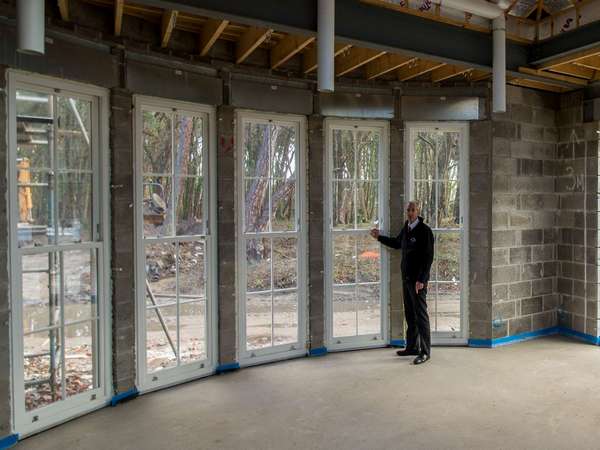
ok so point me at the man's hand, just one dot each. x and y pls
(375, 233)
(419, 286)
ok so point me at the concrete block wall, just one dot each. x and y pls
(524, 211)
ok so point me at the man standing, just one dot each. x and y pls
(416, 241)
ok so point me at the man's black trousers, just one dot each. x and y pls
(418, 336)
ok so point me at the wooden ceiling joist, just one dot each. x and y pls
(524, 82)
(309, 59)
(386, 64)
(354, 59)
(169, 19)
(119, 4)
(572, 58)
(417, 69)
(63, 8)
(478, 75)
(553, 76)
(573, 70)
(446, 72)
(591, 62)
(287, 48)
(249, 42)
(211, 31)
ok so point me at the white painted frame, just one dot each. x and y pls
(448, 337)
(148, 382)
(367, 340)
(26, 423)
(299, 348)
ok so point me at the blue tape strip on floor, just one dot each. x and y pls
(8, 441)
(124, 396)
(319, 351)
(398, 343)
(513, 339)
(227, 367)
(579, 335)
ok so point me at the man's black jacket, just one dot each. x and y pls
(417, 250)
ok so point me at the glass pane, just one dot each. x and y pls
(343, 204)
(80, 358)
(33, 104)
(34, 141)
(343, 154)
(344, 259)
(344, 311)
(35, 224)
(256, 206)
(367, 157)
(191, 268)
(161, 338)
(283, 156)
(40, 290)
(432, 292)
(258, 321)
(157, 142)
(161, 270)
(283, 204)
(75, 206)
(192, 331)
(189, 143)
(367, 208)
(368, 259)
(80, 288)
(258, 260)
(425, 148)
(448, 211)
(368, 305)
(158, 215)
(285, 318)
(285, 265)
(448, 155)
(256, 150)
(447, 250)
(190, 201)
(448, 307)
(42, 368)
(74, 134)
(425, 195)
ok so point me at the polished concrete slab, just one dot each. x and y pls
(540, 394)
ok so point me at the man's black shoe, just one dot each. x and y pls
(421, 359)
(407, 352)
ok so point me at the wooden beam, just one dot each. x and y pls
(478, 75)
(169, 19)
(210, 33)
(591, 62)
(63, 8)
(446, 72)
(573, 70)
(119, 16)
(249, 41)
(386, 64)
(553, 76)
(287, 48)
(355, 58)
(416, 70)
(537, 85)
(309, 59)
(573, 57)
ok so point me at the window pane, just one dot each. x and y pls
(35, 210)
(42, 368)
(161, 338)
(190, 201)
(368, 259)
(258, 260)
(432, 292)
(285, 318)
(425, 195)
(40, 290)
(256, 206)
(75, 206)
(192, 329)
(448, 155)
(368, 143)
(369, 309)
(448, 307)
(283, 154)
(157, 142)
(425, 147)
(256, 150)
(74, 134)
(34, 140)
(447, 250)
(80, 302)
(285, 265)
(367, 208)
(161, 270)
(448, 211)
(283, 204)
(189, 145)
(258, 321)
(344, 311)
(33, 104)
(158, 215)
(192, 277)
(343, 154)
(343, 204)
(80, 358)
(344, 259)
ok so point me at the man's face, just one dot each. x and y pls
(412, 212)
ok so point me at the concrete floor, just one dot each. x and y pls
(541, 394)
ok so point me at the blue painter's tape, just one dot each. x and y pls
(398, 343)
(579, 335)
(131, 393)
(513, 339)
(8, 441)
(227, 367)
(319, 351)
(480, 343)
